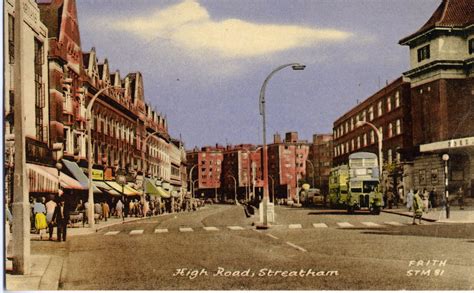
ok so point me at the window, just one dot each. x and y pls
(347, 147)
(352, 144)
(471, 46)
(397, 99)
(389, 104)
(398, 127)
(372, 137)
(381, 131)
(389, 154)
(39, 90)
(347, 127)
(358, 142)
(424, 53)
(379, 108)
(398, 157)
(390, 130)
(352, 124)
(365, 139)
(11, 38)
(371, 113)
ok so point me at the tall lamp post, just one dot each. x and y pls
(143, 160)
(273, 188)
(90, 211)
(294, 66)
(191, 183)
(312, 167)
(193, 195)
(446, 178)
(235, 187)
(379, 141)
(57, 156)
(121, 179)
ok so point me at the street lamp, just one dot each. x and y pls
(89, 155)
(312, 167)
(121, 179)
(294, 66)
(235, 187)
(57, 156)
(273, 188)
(191, 183)
(446, 192)
(379, 140)
(193, 195)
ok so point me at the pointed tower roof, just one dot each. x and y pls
(449, 14)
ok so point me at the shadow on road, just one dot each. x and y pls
(456, 231)
(338, 212)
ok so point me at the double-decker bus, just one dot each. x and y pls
(356, 185)
(338, 186)
(363, 184)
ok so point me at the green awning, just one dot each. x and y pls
(150, 188)
(127, 190)
(77, 173)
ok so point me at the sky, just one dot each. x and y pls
(204, 62)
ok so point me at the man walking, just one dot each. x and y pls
(50, 207)
(61, 218)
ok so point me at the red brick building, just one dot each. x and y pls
(320, 157)
(286, 165)
(442, 90)
(206, 167)
(389, 110)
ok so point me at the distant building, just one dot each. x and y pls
(442, 91)
(206, 175)
(286, 165)
(320, 155)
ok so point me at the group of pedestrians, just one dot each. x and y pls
(46, 216)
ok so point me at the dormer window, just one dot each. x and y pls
(424, 53)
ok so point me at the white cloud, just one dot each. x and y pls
(189, 25)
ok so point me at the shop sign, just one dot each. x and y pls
(108, 174)
(97, 174)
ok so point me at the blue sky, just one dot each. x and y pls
(204, 62)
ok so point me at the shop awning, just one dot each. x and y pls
(66, 181)
(104, 187)
(151, 188)
(76, 171)
(40, 180)
(163, 193)
(127, 190)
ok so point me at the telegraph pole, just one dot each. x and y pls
(21, 205)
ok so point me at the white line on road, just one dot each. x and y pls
(157, 230)
(320, 225)
(271, 236)
(345, 225)
(112, 233)
(296, 246)
(136, 232)
(395, 223)
(211, 229)
(186, 230)
(371, 224)
(235, 228)
(295, 226)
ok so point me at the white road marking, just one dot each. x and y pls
(211, 229)
(295, 226)
(320, 225)
(371, 224)
(345, 225)
(186, 230)
(395, 223)
(112, 233)
(136, 232)
(161, 230)
(235, 228)
(271, 236)
(296, 246)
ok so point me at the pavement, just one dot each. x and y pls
(46, 269)
(456, 215)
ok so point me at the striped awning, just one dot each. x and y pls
(66, 181)
(127, 190)
(40, 180)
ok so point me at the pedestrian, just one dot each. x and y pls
(146, 208)
(131, 208)
(410, 200)
(39, 210)
(460, 195)
(425, 197)
(50, 207)
(119, 208)
(105, 210)
(97, 210)
(417, 207)
(432, 198)
(61, 219)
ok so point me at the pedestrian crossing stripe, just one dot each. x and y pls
(211, 229)
(136, 232)
(161, 230)
(345, 225)
(320, 225)
(371, 224)
(186, 230)
(112, 233)
(235, 228)
(295, 226)
(394, 223)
